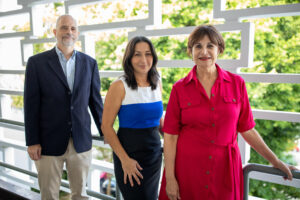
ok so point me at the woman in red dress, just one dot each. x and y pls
(206, 111)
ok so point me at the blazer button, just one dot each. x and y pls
(188, 103)
(72, 107)
(69, 93)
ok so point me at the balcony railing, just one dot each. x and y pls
(64, 183)
(264, 169)
(108, 167)
(9, 143)
(248, 169)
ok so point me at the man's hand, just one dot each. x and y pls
(34, 151)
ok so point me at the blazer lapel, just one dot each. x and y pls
(57, 68)
(79, 71)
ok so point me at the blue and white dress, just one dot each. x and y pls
(139, 118)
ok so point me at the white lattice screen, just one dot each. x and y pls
(16, 47)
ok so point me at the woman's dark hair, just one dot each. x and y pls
(153, 75)
(200, 31)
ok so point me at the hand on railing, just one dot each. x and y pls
(285, 168)
(266, 170)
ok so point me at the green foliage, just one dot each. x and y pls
(106, 56)
(162, 46)
(105, 50)
(169, 77)
(276, 46)
(166, 1)
(17, 101)
(105, 83)
(190, 12)
(121, 14)
(38, 48)
(234, 4)
(275, 51)
(35, 190)
(280, 137)
(281, 97)
(273, 191)
(104, 154)
(232, 45)
(106, 5)
(57, 5)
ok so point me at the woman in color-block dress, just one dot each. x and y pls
(136, 99)
(206, 111)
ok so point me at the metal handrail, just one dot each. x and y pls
(63, 182)
(263, 169)
(246, 170)
(11, 122)
(99, 138)
(6, 122)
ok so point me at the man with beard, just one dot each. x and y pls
(60, 85)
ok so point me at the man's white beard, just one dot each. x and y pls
(68, 42)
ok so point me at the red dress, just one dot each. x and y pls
(208, 162)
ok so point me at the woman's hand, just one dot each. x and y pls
(172, 189)
(285, 168)
(255, 140)
(131, 169)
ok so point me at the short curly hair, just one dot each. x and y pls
(200, 31)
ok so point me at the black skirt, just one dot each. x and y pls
(144, 146)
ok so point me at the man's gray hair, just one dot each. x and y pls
(65, 15)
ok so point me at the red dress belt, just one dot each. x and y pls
(230, 180)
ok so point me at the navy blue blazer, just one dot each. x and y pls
(53, 114)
